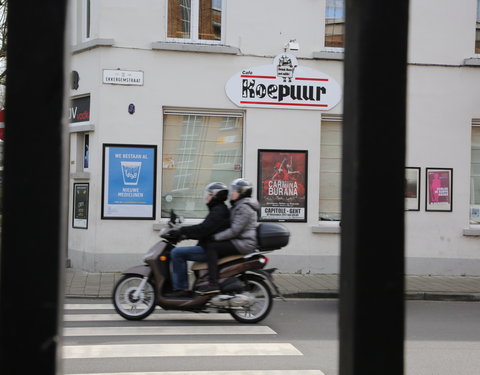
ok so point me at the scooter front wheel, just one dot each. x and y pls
(131, 302)
(258, 290)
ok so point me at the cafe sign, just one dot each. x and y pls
(283, 84)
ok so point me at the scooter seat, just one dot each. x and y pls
(204, 265)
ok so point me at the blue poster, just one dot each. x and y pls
(129, 181)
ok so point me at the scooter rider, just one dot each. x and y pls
(217, 220)
(239, 238)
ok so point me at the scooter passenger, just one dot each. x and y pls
(239, 238)
(217, 220)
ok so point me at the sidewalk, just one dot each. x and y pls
(433, 288)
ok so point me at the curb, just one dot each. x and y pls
(443, 296)
(410, 296)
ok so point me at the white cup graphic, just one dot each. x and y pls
(131, 172)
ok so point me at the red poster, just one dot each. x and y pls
(282, 185)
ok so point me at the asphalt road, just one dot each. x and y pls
(299, 335)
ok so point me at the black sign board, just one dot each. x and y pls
(79, 110)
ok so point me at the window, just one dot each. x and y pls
(81, 21)
(477, 29)
(475, 176)
(87, 16)
(198, 149)
(330, 169)
(195, 20)
(334, 23)
(86, 147)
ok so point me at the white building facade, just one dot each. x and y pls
(168, 96)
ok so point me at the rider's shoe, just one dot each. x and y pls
(209, 288)
(179, 294)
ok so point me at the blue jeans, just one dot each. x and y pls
(179, 257)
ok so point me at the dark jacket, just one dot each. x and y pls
(243, 225)
(217, 220)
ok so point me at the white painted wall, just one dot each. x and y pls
(442, 31)
(443, 97)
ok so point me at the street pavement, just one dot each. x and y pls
(447, 288)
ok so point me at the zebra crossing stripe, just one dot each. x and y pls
(158, 316)
(234, 372)
(178, 330)
(88, 306)
(179, 350)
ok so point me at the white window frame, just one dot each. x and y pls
(194, 25)
(475, 124)
(325, 226)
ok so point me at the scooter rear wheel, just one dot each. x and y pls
(132, 305)
(258, 289)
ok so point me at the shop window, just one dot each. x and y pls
(330, 170)
(334, 23)
(198, 149)
(475, 177)
(195, 20)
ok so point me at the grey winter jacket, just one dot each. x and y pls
(243, 226)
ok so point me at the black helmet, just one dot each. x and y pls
(243, 187)
(217, 190)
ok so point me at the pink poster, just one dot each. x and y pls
(439, 189)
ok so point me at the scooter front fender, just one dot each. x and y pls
(143, 270)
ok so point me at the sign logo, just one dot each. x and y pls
(284, 84)
(131, 172)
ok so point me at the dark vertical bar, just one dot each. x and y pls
(33, 240)
(372, 246)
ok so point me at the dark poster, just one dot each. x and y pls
(80, 206)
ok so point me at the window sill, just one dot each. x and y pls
(94, 43)
(472, 61)
(80, 176)
(73, 128)
(189, 47)
(326, 227)
(329, 55)
(472, 230)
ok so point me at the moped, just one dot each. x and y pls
(247, 288)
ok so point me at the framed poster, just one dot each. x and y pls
(80, 205)
(129, 181)
(412, 189)
(439, 187)
(282, 185)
